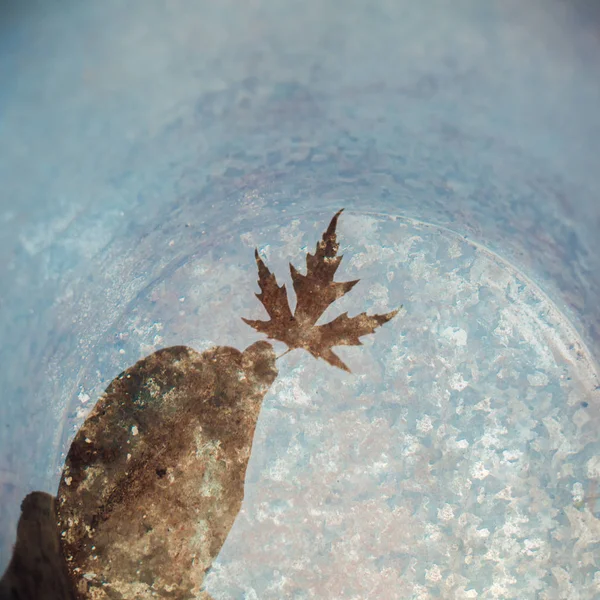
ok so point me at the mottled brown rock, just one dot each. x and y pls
(155, 477)
(37, 570)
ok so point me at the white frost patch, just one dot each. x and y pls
(434, 574)
(381, 465)
(446, 513)
(485, 405)
(538, 379)
(380, 294)
(455, 335)
(411, 445)
(505, 494)
(532, 547)
(577, 493)
(289, 393)
(457, 382)
(593, 467)
(478, 471)
(424, 425)
(371, 255)
(249, 240)
(454, 250)
(512, 455)
(290, 233)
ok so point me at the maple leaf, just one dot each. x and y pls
(315, 291)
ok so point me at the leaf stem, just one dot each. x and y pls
(288, 350)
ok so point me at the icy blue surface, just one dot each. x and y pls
(125, 127)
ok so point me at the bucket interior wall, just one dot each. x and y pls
(138, 139)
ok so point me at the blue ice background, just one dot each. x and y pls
(121, 123)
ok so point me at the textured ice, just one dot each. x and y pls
(460, 459)
(136, 134)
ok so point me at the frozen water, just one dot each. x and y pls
(125, 122)
(460, 459)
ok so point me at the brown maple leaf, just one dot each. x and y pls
(315, 291)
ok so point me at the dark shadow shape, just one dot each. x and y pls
(37, 570)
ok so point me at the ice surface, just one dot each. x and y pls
(458, 460)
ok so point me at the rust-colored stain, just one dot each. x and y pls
(154, 479)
